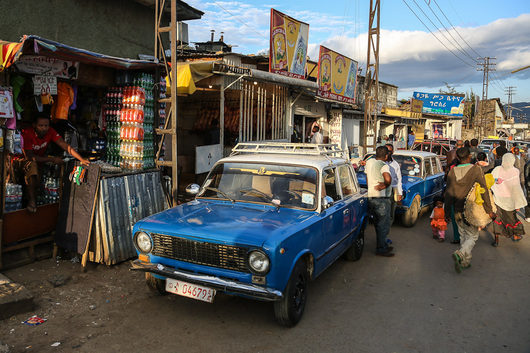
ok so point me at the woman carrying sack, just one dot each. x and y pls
(509, 198)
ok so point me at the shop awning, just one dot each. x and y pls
(35, 45)
(190, 73)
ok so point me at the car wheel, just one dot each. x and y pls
(289, 310)
(355, 251)
(157, 285)
(411, 216)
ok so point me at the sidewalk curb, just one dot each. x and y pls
(14, 298)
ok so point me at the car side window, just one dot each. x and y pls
(436, 149)
(426, 147)
(330, 180)
(428, 167)
(435, 165)
(346, 181)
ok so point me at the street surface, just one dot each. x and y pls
(414, 302)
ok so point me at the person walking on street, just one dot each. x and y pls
(509, 197)
(460, 181)
(452, 160)
(527, 187)
(410, 140)
(397, 187)
(519, 164)
(474, 150)
(438, 222)
(379, 180)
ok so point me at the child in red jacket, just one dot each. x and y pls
(438, 223)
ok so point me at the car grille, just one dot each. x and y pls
(202, 253)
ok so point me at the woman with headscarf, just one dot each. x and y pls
(509, 198)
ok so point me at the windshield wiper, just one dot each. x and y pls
(261, 194)
(220, 192)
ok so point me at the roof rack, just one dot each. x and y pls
(288, 148)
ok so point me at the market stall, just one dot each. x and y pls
(106, 109)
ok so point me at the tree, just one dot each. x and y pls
(449, 89)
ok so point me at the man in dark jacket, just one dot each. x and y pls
(451, 156)
(460, 181)
(527, 189)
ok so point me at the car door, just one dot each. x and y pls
(439, 182)
(429, 181)
(355, 201)
(335, 218)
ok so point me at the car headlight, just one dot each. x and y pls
(259, 262)
(143, 242)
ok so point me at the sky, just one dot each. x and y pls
(411, 57)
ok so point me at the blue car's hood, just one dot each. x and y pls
(406, 181)
(224, 222)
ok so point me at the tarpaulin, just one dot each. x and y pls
(190, 73)
(35, 45)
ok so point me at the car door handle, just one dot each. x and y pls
(346, 211)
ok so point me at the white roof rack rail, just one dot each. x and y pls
(288, 148)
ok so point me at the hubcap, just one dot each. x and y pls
(299, 293)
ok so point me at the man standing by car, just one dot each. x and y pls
(397, 188)
(378, 181)
(460, 181)
(451, 156)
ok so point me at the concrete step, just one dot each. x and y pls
(14, 298)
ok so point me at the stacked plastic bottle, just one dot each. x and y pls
(112, 124)
(13, 197)
(51, 190)
(147, 83)
(162, 108)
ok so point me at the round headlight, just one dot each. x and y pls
(258, 262)
(143, 242)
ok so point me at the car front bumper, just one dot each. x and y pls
(217, 283)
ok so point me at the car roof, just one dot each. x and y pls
(421, 154)
(441, 142)
(316, 161)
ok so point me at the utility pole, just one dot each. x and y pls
(372, 77)
(486, 66)
(170, 124)
(510, 91)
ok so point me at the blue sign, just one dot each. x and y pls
(443, 104)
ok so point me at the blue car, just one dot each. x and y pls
(267, 219)
(422, 179)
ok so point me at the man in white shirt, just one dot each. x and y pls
(396, 185)
(378, 180)
(317, 136)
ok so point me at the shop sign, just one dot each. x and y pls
(337, 76)
(288, 45)
(43, 65)
(6, 103)
(206, 156)
(335, 128)
(44, 85)
(443, 104)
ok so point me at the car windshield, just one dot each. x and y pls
(410, 165)
(279, 185)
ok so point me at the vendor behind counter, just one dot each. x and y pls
(36, 140)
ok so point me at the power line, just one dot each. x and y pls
(455, 29)
(438, 39)
(238, 20)
(460, 48)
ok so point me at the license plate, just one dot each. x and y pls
(190, 290)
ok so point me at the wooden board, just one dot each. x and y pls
(77, 209)
(20, 225)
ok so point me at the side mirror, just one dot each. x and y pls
(193, 189)
(327, 201)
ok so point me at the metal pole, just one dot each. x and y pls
(174, 152)
(222, 115)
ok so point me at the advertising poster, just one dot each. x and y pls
(6, 103)
(337, 76)
(42, 65)
(443, 104)
(288, 45)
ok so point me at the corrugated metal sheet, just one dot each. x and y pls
(123, 201)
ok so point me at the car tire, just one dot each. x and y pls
(157, 285)
(355, 251)
(289, 310)
(411, 216)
